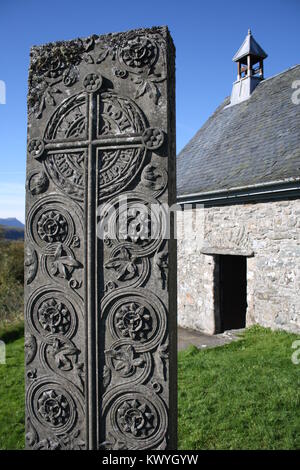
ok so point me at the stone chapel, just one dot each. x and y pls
(242, 170)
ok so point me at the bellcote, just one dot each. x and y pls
(250, 64)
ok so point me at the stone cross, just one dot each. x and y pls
(100, 296)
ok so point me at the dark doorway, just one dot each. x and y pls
(233, 291)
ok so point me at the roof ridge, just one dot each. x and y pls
(280, 73)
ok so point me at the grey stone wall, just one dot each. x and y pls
(268, 233)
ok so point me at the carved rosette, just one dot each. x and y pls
(97, 135)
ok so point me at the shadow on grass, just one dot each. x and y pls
(9, 333)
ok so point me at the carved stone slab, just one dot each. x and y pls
(100, 312)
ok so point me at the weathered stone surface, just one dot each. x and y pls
(100, 314)
(269, 231)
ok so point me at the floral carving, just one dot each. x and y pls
(42, 94)
(162, 359)
(75, 284)
(69, 441)
(30, 348)
(135, 418)
(124, 361)
(135, 225)
(50, 66)
(54, 316)
(63, 352)
(155, 178)
(52, 227)
(153, 138)
(31, 435)
(36, 148)
(139, 52)
(109, 286)
(106, 376)
(113, 444)
(121, 73)
(124, 264)
(32, 374)
(54, 408)
(31, 264)
(92, 82)
(107, 241)
(134, 321)
(54, 62)
(148, 85)
(161, 264)
(72, 441)
(48, 444)
(76, 242)
(63, 263)
(70, 76)
(38, 183)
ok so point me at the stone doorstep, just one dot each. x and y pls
(188, 337)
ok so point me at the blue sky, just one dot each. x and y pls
(206, 35)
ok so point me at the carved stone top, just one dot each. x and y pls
(134, 54)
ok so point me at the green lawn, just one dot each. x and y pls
(244, 395)
(12, 397)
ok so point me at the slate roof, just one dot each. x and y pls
(251, 143)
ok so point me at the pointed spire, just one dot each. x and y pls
(250, 67)
(249, 47)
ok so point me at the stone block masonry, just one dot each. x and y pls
(268, 234)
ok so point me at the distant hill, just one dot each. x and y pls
(13, 229)
(11, 222)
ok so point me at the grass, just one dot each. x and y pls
(244, 395)
(11, 282)
(11, 331)
(12, 397)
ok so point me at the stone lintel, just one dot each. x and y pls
(210, 250)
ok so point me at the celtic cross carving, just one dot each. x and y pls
(99, 310)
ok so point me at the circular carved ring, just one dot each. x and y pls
(48, 221)
(137, 315)
(53, 407)
(140, 52)
(137, 417)
(138, 220)
(119, 166)
(49, 312)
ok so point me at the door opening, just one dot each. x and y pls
(233, 291)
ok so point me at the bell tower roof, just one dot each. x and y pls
(249, 47)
